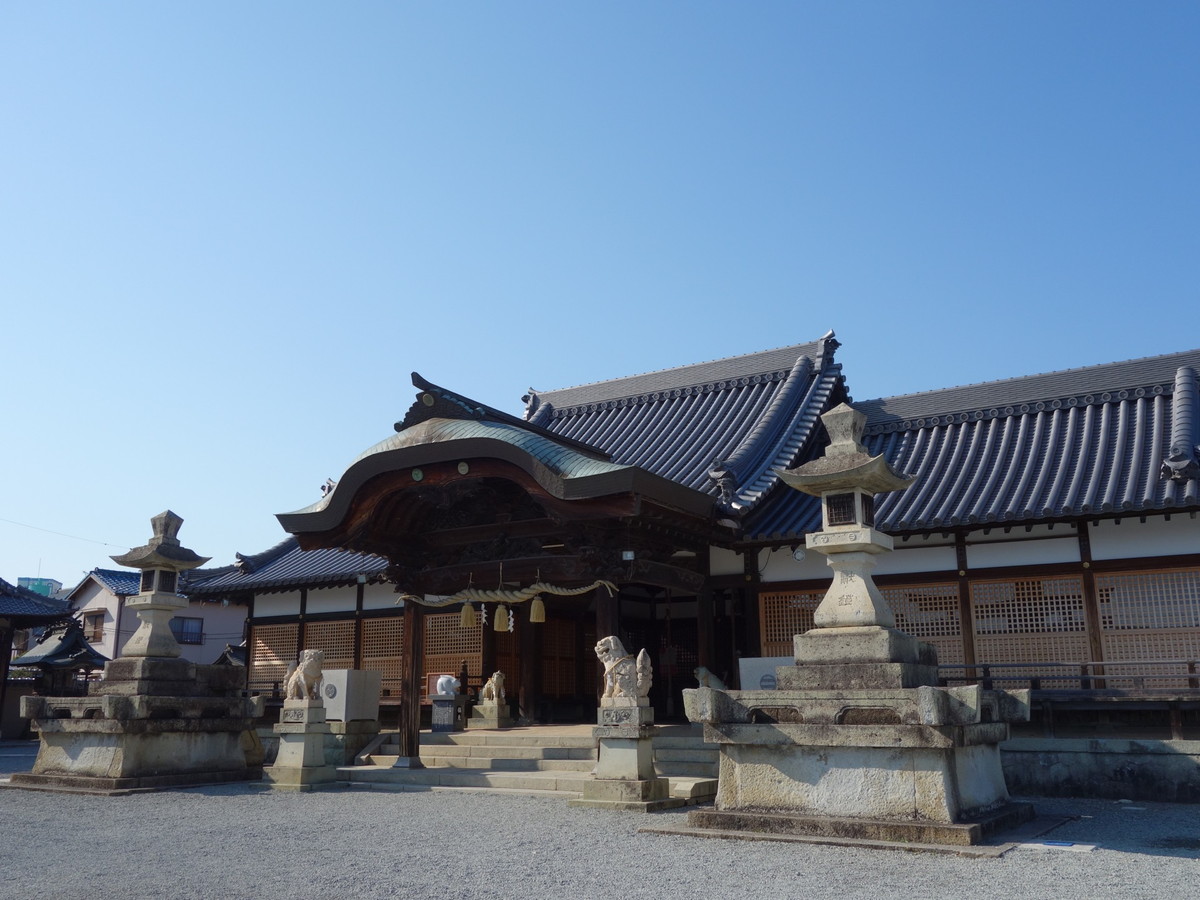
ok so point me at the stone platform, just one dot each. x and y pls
(150, 724)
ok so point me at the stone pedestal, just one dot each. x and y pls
(490, 715)
(880, 758)
(300, 763)
(449, 712)
(149, 724)
(624, 775)
(348, 739)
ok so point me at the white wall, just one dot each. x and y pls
(380, 596)
(917, 556)
(335, 599)
(724, 562)
(92, 597)
(1154, 537)
(1058, 549)
(285, 604)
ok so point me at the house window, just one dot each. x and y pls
(93, 627)
(188, 631)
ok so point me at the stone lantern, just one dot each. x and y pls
(161, 560)
(859, 739)
(847, 478)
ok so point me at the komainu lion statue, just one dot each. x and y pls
(622, 676)
(492, 692)
(304, 680)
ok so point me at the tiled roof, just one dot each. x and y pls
(732, 420)
(284, 566)
(63, 647)
(20, 603)
(125, 582)
(1084, 442)
(443, 426)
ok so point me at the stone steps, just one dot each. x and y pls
(568, 785)
(554, 761)
(508, 763)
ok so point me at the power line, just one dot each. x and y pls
(60, 534)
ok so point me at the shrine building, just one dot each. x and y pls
(1051, 533)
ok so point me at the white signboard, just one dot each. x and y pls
(758, 672)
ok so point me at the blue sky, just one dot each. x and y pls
(229, 231)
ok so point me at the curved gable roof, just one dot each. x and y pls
(443, 426)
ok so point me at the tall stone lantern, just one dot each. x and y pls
(859, 739)
(161, 560)
(847, 478)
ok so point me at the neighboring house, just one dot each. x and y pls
(202, 629)
(1053, 520)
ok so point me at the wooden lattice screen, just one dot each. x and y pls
(781, 615)
(1030, 620)
(926, 611)
(1152, 616)
(447, 644)
(382, 642)
(931, 613)
(336, 639)
(272, 648)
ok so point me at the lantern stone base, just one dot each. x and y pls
(149, 724)
(912, 764)
(300, 763)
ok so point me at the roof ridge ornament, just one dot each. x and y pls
(1181, 463)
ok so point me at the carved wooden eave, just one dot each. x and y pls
(461, 491)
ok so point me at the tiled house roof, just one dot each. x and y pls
(28, 607)
(286, 566)
(1075, 443)
(720, 427)
(123, 582)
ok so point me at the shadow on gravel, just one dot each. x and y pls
(1145, 828)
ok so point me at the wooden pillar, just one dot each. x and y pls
(300, 625)
(705, 643)
(1091, 601)
(358, 611)
(529, 644)
(487, 651)
(966, 616)
(413, 650)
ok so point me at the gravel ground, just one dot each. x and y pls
(246, 841)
